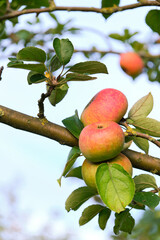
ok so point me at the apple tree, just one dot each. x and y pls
(116, 190)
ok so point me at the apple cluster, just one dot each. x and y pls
(102, 139)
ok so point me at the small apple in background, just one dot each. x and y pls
(131, 63)
(89, 169)
(101, 141)
(107, 105)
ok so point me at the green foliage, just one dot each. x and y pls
(32, 54)
(144, 181)
(103, 217)
(123, 37)
(72, 157)
(89, 67)
(64, 50)
(75, 172)
(89, 213)
(141, 108)
(113, 182)
(78, 197)
(149, 199)
(153, 20)
(58, 94)
(106, 4)
(73, 124)
(123, 222)
(34, 77)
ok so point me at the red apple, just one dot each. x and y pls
(131, 63)
(101, 141)
(107, 105)
(89, 169)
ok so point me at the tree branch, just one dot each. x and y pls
(63, 136)
(108, 10)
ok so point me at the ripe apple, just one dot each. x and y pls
(101, 141)
(131, 63)
(89, 169)
(107, 105)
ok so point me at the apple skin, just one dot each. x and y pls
(107, 105)
(101, 141)
(89, 169)
(131, 63)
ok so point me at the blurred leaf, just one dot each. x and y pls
(144, 181)
(74, 125)
(3, 6)
(153, 20)
(89, 67)
(75, 172)
(113, 182)
(78, 197)
(32, 54)
(141, 108)
(73, 155)
(58, 94)
(107, 4)
(34, 77)
(124, 222)
(29, 4)
(147, 198)
(103, 217)
(148, 125)
(78, 77)
(89, 213)
(64, 50)
(40, 68)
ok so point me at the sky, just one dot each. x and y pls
(35, 162)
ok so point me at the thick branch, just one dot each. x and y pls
(63, 136)
(38, 126)
(82, 9)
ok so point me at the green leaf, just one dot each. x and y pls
(89, 67)
(148, 125)
(107, 4)
(113, 182)
(78, 197)
(74, 125)
(89, 213)
(3, 6)
(58, 94)
(54, 63)
(34, 77)
(141, 108)
(40, 67)
(144, 181)
(31, 54)
(147, 198)
(153, 20)
(141, 143)
(64, 50)
(103, 217)
(75, 172)
(124, 222)
(78, 77)
(73, 155)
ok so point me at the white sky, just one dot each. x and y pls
(36, 161)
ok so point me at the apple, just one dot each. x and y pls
(89, 169)
(101, 141)
(131, 63)
(107, 105)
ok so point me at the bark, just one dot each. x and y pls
(60, 134)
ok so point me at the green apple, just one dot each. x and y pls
(107, 105)
(131, 63)
(89, 168)
(101, 141)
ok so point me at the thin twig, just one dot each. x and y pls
(108, 10)
(41, 101)
(1, 70)
(133, 133)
